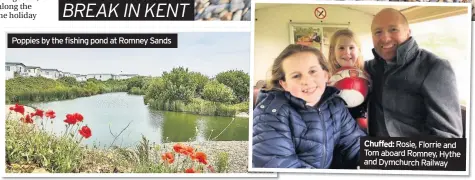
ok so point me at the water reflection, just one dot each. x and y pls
(108, 114)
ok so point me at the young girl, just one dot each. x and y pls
(345, 51)
(299, 121)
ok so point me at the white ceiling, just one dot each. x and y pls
(367, 9)
(371, 10)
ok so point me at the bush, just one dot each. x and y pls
(26, 89)
(155, 90)
(136, 91)
(238, 81)
(68, 81)
(92, 87)
(136, 81)
(200, 80)
(179, 85)
(196, 106)
(217, 92)
(242, 107)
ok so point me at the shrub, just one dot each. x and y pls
(136, 81)
(217, 92)
(179, 85)
(136, 90)
(200, 80)
(238, 81)
(68, 81)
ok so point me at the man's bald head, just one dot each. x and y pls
(393, 13)
(389, 29)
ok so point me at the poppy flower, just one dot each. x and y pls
(18, 108)
(27, 119)
(201, 157)
(188, 150)
(168, 157)
(85, 132)
(178, 148)
(78, 117)
(50, 114)
(39, 113)
(190, 170)
(70, 119)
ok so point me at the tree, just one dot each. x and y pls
(69, 81)
(200, 81)
(238, 81)
(179, 85)
(218, 92)
(136, 81)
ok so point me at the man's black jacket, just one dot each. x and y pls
(416, 96)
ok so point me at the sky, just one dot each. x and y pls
(207, 52)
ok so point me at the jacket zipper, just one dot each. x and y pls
(324, 139)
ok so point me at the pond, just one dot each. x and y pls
(108, 114)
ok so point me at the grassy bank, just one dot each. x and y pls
(40, 89)
(181, 90)
(30, 149)
(200, 106)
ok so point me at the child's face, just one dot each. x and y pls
(346, 52)
(304, 77)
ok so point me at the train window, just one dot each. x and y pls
(441, 38)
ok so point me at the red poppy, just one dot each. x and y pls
(18, 108)
(168, 157)
(50, 114)
(201, 157)
(27, 119)
(78, 117)
(190, 170)
(188, 150)
(178, 148)
(70, 119)
(38, 112)
(85, 132)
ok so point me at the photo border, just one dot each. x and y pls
(363, 171)
(191, 28)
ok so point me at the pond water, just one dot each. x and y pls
(108, 114)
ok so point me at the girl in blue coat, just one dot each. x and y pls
(299, 121)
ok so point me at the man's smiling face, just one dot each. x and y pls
(389, 29)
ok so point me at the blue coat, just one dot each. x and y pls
(287, 133)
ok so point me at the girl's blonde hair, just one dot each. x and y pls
(331, 54)
(277, 72)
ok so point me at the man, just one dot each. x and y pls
(414, 92)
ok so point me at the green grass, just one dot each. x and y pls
(27, 145)
(28, 148)
(40, 89)
(200, 106)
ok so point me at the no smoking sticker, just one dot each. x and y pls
(320, 13)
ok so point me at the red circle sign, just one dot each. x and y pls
(320, 13)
